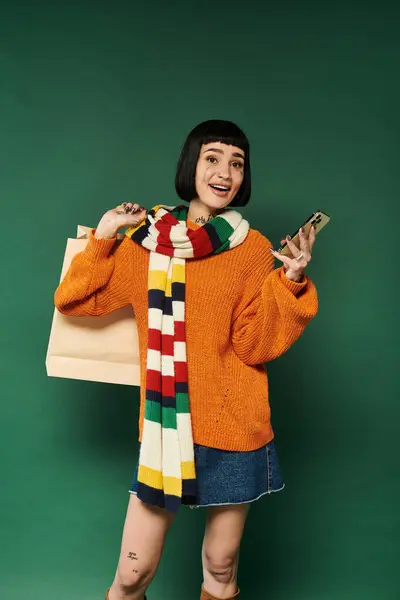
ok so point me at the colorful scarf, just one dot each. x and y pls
(166, 473)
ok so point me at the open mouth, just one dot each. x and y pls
(220, 189)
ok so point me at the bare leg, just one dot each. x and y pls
(220, 554)
(143, 538)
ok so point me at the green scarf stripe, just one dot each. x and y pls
(182, 402)
(181, 213)
(154, 412)
(224, 231)
(169, 418)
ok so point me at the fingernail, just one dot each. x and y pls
(271, 250)
(288, 237)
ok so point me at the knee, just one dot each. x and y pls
(221, 566)
(129, 582)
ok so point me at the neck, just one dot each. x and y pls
(200, 213)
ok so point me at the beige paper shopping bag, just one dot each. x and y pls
(104, 349)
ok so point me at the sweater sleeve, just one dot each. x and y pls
(99, 279)
(273, 311)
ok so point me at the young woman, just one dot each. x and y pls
(210, 310)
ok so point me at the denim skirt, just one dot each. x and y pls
(225, 477)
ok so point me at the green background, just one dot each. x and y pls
(96, 100)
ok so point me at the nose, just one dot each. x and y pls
(224, 172)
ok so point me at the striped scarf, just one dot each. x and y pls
(166, 473)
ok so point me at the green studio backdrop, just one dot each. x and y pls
(95, 102)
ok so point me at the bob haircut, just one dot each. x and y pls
(204, 133)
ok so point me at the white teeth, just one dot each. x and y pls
(220, 187)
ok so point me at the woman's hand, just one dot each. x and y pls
(124, 215)
(294, 267)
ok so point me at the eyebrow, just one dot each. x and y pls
(236, 154)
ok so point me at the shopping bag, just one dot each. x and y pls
(104, 349)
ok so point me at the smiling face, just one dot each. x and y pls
(219, 174)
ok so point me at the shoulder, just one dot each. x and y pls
(126, 245)
(257, 241)
(251, 257)
(257, 260)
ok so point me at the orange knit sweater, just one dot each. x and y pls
(240, 314)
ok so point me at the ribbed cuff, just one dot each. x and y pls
(98, 248)
(293, 286)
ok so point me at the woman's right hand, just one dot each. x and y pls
(124, 215)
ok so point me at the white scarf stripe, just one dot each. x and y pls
(180, 351)
(171, 449)
(178, 309)
(151, 446)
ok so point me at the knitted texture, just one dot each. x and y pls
(166, 474)
(241, 313)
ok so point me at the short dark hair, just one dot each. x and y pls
(204, 133)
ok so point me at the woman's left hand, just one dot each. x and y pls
(294, 267)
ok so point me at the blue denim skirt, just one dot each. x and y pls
(225, 477)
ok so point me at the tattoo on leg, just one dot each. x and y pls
(132, 556)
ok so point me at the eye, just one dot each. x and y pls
(238, 165)
(211, 158)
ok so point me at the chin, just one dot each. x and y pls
(218, 204)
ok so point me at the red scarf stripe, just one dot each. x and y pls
(168, 386)
(164, 235)
(201, 242)
(154, 340)
(169, 218)
(153, 380)
(167, 345)
(161, 249)
(179, 329)
(181, 372)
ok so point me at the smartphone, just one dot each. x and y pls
(319, 219)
